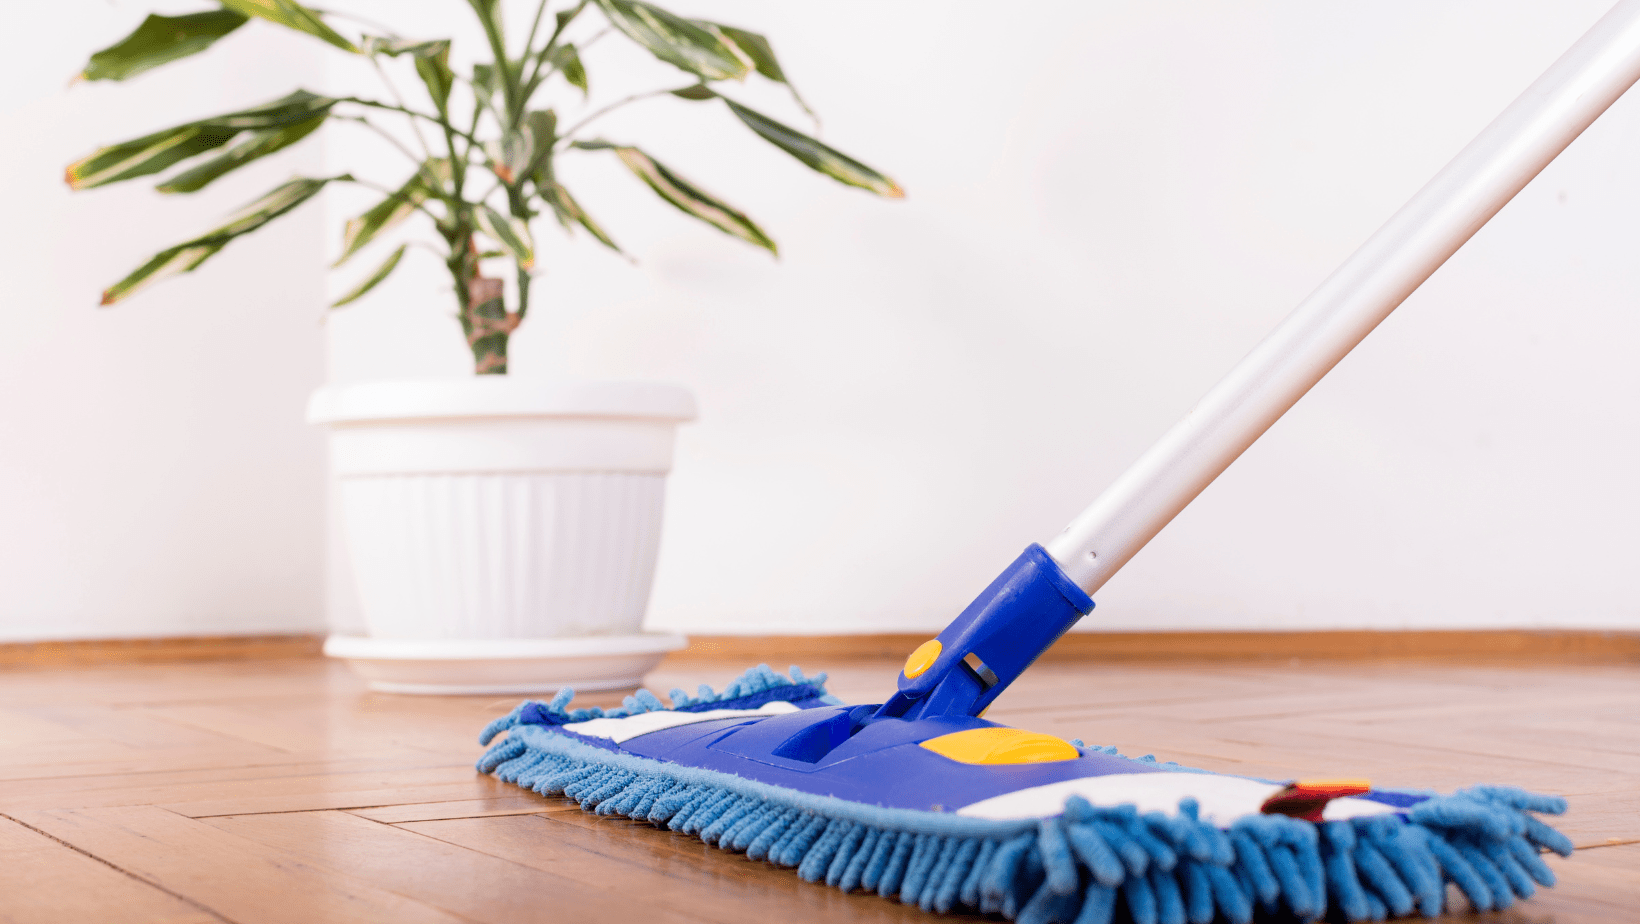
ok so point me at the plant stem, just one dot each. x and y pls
(520, 208)
(367, 184)
(386, 135)
(552, 43)
(489, 15)
(565, 136)
(386, 31)
(373, 104)
(530, 40)
(415, 126)
(595, 37)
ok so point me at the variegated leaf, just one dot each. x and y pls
(160, 40)
(757, 49)
(188, 255)
(396, 207)
(292, 15)
(675, 40)
(686, 196)
(369, 282)
(568, 62)
(569, 213)
(511, 233)
(820, 157)
(541, 125)
(252, 146)
(432, 60)
(155, 152)
(511, 158)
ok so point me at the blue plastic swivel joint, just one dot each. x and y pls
(1024, 611)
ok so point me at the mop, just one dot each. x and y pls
(920, 799)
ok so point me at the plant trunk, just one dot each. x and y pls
(489, 325)
(484, 315)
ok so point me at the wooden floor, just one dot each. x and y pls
(282, 791)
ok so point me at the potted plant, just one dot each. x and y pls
(503, 531)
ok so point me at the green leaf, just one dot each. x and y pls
(570, 212)
(436, 76)
(432, 60)
(511, 233)
(568, 62)
(512, 156)
(394, 47)
(253, 146)
(155, 152)
(292, 15)
(541, 126)
(188, 255)
(755, 47)
(564, 17)
(761, 53)
(675, 40)
(688, 197)
(146, 155)
(827, 160)
(370, 281)
(159, 40)
(697, 93)
(396, 207)
(486, 83)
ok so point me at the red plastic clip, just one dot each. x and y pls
(1306, 799)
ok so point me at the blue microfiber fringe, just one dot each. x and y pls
(751, 690)
(1089, 865)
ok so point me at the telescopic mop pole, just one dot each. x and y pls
(1045, 591)
(1484, 176)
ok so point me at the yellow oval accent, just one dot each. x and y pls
(1001, 746)
(923, 658)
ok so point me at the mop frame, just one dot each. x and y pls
(1088, 864)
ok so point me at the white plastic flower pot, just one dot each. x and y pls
(503, 532)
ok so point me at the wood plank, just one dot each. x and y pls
(1449, 645)
(1467, 646)
(527, 803)
(1602, 819)
(235, 878)
(44, 881)
(129, 727)
(159, 650)
(1502, 741)
(1599, 886)
(372, 721)
(651, 861)
(482, 886)
(101, 758)
(479, 787)
(125, 685)
(259, 749)
(290, 787)
(1281, 753)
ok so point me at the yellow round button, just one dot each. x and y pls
(923, 658)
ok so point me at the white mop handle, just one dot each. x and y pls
(1354, 299)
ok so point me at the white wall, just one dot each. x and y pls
(1109, 204)
(155, 475)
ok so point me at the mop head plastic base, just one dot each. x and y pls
(1080, 861)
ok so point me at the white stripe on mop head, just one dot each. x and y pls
(1223, 799)
(618, 730)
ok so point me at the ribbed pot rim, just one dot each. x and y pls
(498, 396)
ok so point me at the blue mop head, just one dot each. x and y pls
(920, 798)
(1016, 824)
